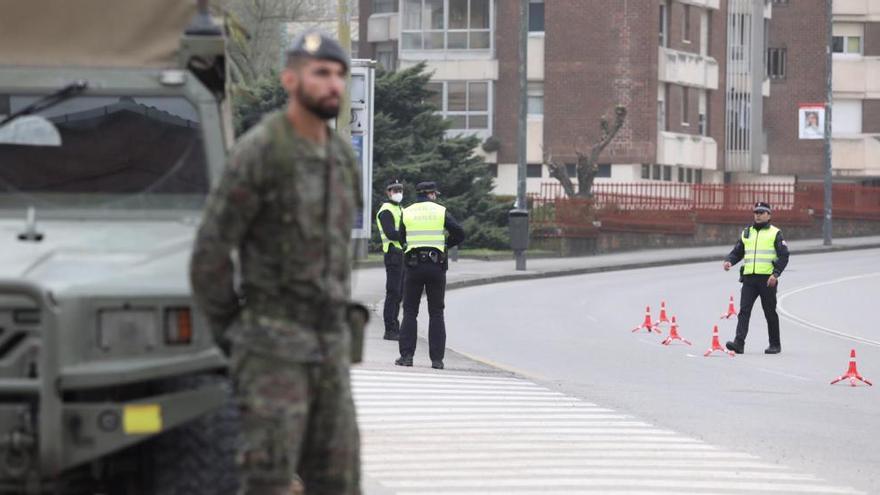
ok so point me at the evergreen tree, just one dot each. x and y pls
(410, 144)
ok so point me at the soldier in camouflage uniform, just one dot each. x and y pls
(286, 204)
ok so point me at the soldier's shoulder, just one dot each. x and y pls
(256, 139)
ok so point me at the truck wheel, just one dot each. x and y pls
(198, 458)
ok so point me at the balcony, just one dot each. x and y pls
(687, 69)
(383, 27)
(706, 4)
(856, 10)
(687, 150)
(857, 156)
(857, 77)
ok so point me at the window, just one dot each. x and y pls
(603, 170)
(384, 6)
(690, 175)
(534, 170)
(386, 56)
(680, 174)
(686, 28)
(571, 170)
(536, 16)
(655, 172)
(685, 105)
(847, 117)
(493, 169)
(663, 23)
(780, 2)
(465, 104)
(776, 58)
(847, 45)
(698, 176)
(646, 171)
(536, 98)
(446, 24)
(667, 173)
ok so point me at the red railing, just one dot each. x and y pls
(670, 207)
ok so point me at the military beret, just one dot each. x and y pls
(427, 187)
(318, 44)
(762, 207)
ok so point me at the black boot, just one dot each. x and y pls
(773, 349)
(391, 335)
(404, 361)
(736, 347)
(437, 365)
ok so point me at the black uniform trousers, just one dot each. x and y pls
(430, 278)
(753, 287)
(393, 290)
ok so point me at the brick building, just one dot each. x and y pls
(682, 68)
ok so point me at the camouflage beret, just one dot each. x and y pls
(318, 44)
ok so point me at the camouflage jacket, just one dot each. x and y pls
(286, 205)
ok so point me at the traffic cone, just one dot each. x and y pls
(673, 334)
(716, 344)
(852, 373)
(663, 318)
(731, 310)
(647, 324)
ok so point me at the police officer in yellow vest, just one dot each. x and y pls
(388, 219)
(424, 228)
(765, 255)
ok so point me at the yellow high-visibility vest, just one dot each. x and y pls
(397, 214)
(424, 224)
(760, 250)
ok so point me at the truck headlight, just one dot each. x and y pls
(178, 326)
(127, 329)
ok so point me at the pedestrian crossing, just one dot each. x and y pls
(445, 434)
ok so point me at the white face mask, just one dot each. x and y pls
(397, 197)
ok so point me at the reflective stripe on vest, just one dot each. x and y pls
(760, 251)
(424, 224)
(397, 214)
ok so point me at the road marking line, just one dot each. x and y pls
(635, 471)
(407, 424)
(582, 454)
(819, 328)
(513, 445)
(465, 464)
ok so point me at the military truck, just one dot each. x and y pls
(113, 126)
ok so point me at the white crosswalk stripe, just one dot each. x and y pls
(445, 434)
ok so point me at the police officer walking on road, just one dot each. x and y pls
(286, 204)
(765, 255)
(388, 219)
(424, 226)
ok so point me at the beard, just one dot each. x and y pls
(321, 107)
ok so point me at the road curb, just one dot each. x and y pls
(514, 277)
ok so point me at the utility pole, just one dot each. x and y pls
(519, 216)
(343, 29)
(829, 94)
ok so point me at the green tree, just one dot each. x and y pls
(410, 144)
(251, 101)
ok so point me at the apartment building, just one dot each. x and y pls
(856, 100)
(685, 70)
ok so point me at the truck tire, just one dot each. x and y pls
(198, 458)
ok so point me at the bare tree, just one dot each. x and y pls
(587, 165)
(257, 31)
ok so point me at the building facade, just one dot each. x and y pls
(686, 71)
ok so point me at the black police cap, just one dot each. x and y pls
(762, 207)
(318, 44)
(427, 187)
(394, 184)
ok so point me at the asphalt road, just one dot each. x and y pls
(572, 335)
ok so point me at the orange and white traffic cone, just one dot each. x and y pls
(647, 324)
(716, 344)
(852, 373)
(731, 310)
(663, 318)
(673, 334)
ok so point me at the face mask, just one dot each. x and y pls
(397, 197)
